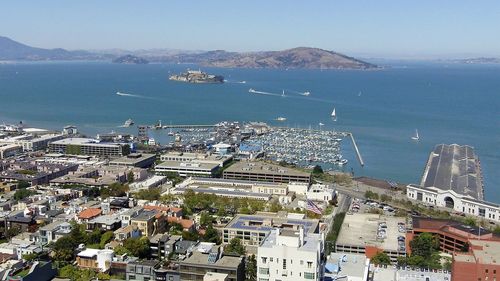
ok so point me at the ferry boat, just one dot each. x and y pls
(305, 94)
(128, 123)
(252, 91)
(280, 119)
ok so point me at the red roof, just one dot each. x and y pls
(89, 213)
(184, 222)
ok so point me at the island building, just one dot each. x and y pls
(192, 164)
(87, 146)
(197, 76)
(253, 229)
(292, 255)
(369, 234)
(452, 179)
(481, 262)
(262, 171)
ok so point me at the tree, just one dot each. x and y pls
(470, 221)
(106, 238)
(211, 235)
(30, 257)
(385, 198)
(22, 193)
(64, 249)
(76, 274)
(12, 231)
(251, 269)
(190, 235)
(497, 230)
(424, 245)
(94, 237)
(114, 190)
(138, 247)
(148, 194)
(371, 195)
(381, 258)
(275, 207)
(235, 247)
(317, 170)
(205, 219)
(130, 177)
(23, 184)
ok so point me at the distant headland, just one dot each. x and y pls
(130, 59)
(301, 57)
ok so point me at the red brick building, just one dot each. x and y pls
(481, 263)
(453, 236)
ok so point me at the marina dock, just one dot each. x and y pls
(188, 126)
(357, 151)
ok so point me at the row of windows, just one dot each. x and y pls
(307, 275)
(271, 259)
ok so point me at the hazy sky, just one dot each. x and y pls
(397, 28)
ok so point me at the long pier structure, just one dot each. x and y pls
(357, 151)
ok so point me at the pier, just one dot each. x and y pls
(357, 151)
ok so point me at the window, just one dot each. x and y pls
(263, 270)
(264, 259)
(263, 279)
(309, 275)
(309, 264)
(131, 277)
(284, 263)
(301, 262)
(271, 259)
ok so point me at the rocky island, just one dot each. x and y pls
(197, 76)
(130, 59)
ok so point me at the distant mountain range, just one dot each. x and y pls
(12, 50)
(130, 59)
(302, 57)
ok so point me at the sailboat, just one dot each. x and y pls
(415, 137)
(334, 115)
(283, 94)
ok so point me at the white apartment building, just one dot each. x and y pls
(320, 192)
(289, 255)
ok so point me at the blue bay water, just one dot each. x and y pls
(447, 103)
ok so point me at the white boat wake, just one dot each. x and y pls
(235, 82)
(129, 95)
(252, 91)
